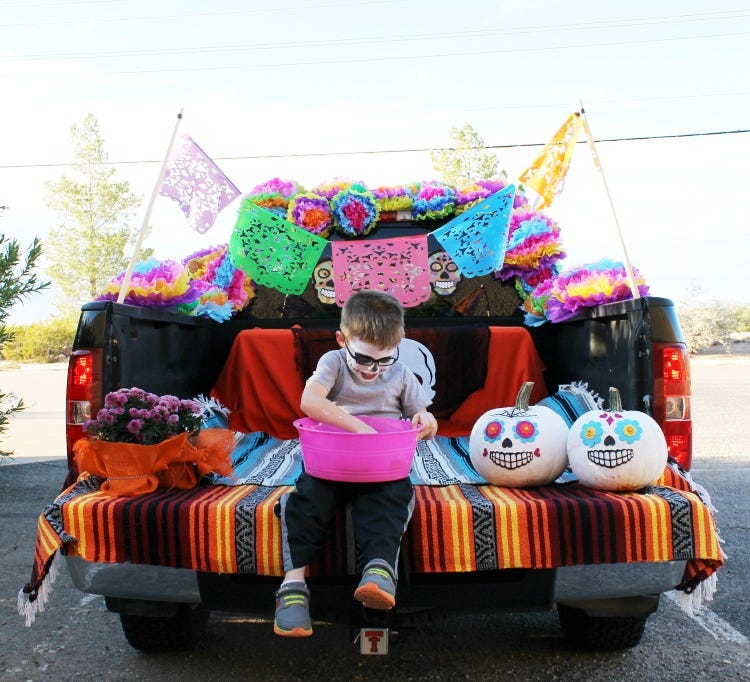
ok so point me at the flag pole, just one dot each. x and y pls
(628, 268)
(142, 233)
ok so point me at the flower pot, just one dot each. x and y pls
(130, 469)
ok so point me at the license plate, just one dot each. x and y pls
(373, 641)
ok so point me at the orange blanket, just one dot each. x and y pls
(261, 382)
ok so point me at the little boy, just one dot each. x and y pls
(363, 377)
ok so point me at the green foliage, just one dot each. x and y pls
(742, 318)
(466, 161)
(17, 281)
(90, 245)
(48, 341)
(9, 405)
(706, 325)
(17, 278)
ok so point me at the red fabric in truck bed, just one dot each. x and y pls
(262, 382)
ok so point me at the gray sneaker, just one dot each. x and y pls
(293, 611)
(377, 589)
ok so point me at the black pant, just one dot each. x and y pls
(380, 514)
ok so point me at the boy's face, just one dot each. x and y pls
(362, 357)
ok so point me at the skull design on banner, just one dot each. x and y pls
(444, 273)
(323, 282)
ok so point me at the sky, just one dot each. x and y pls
(362, 89)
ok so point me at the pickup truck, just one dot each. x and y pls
(163, 576)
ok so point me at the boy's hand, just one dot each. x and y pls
(428, 423)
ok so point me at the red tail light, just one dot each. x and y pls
(672, 395)
(83, 399)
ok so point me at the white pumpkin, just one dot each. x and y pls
(519, 446)
(616, 449)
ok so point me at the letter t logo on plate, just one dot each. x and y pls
(373, 641)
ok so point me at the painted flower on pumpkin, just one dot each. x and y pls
(591, 433)
(493, 431)
(629, 430)
(526, 431)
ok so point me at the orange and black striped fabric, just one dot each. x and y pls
(454, 528)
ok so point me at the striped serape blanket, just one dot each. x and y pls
(454, 528)
(260, 459)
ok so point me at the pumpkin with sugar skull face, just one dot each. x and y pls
(616, 450)
(519, 446)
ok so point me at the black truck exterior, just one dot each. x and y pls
(635, 345)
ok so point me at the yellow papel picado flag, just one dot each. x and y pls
(546, 175)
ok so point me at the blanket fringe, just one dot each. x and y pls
(692, 602)
(28, 604)
(704, 495)
(579, 387)
(211, 404)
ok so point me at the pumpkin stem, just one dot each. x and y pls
(524, 394)
(615, 401)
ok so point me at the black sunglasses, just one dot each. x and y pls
(366, 360)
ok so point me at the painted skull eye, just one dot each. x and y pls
(493, 431)
(629, 430)
(526, 431)
(591, 433)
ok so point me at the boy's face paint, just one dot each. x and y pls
(364, 372)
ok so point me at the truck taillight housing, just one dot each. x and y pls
(83, 395)
(672, 393)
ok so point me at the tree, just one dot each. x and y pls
(17, 281)
(90, 246)
(705, 323)
(466, 161)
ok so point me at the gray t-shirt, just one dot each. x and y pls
(396, 392)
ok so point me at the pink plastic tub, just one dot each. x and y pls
(337, 455)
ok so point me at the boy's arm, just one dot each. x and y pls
(428, 422)
(315, 404)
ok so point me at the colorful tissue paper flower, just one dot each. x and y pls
(284, 188)
(198, 264)
(526, 282)
(533, 244)
(520, 200)
(219, 312)
(604, 281)
(545, 271)
(146, 266)
(219, 281)
(271, 201)
(396, 198)
(311, 212)
(535, 301)
(355, 213)
(162, 284)
(331, 189)
(469, 195)
(433, 201)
